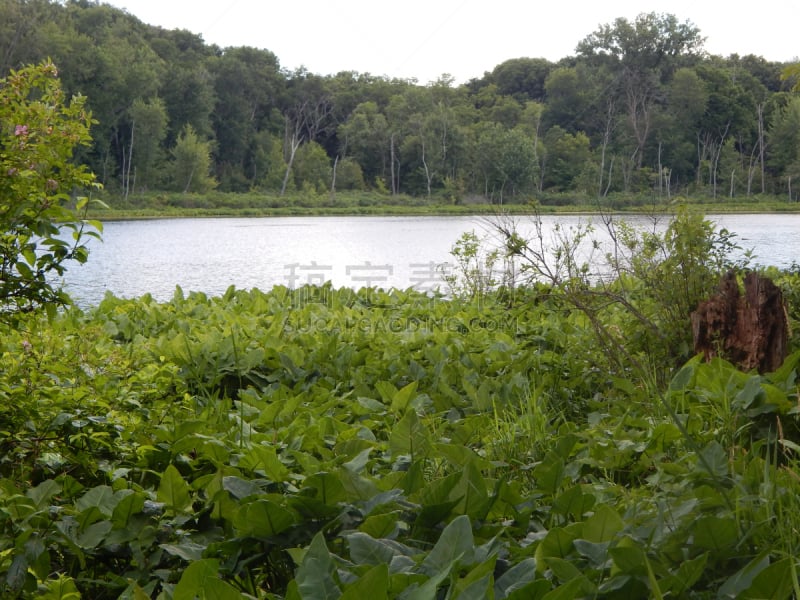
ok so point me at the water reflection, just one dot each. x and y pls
(209, 255)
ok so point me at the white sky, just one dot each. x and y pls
(423, 39)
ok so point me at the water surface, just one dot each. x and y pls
(211, 254)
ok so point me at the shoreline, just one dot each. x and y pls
(432, 210)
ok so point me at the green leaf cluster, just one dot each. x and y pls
(324, 443)
(39, 211)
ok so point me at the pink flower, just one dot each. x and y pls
(21, 130)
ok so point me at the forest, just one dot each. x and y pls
(639, 109)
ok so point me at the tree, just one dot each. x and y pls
(784, 139)
(651, 42)
(567, 156)
(246, 84)
(792, 74)
(192, 164)
(643, 55)
(148, 130)
(364, 137)
(312, 168)
(522, 78)
(41, 226)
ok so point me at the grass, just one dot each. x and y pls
(253, 204)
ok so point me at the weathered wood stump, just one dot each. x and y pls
(750, 331)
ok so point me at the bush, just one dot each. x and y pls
(39, 215)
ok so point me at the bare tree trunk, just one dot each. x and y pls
(392, 173)
(333, 177)
(127, 185)
(189, 181)
(751, 169)
(760, 111)
(715, 159)
(294, 144)
(604, 147)
(428, 175)
(610, 172)
(660, 176)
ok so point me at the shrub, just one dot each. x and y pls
(39, 214)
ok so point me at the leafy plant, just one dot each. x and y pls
(40, 219)
(331, 443)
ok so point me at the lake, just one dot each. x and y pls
(211, 254)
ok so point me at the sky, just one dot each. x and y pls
(424, 39)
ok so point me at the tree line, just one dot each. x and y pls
(639, 108)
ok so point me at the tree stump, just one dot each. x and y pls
(750, 331)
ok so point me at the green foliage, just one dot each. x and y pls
(475, 273)
(148, 131)
(192, 163)
(330, 443)
(646, 109)
(639, 306)
(312, 168)
(39, 215)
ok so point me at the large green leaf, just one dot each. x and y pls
(516, 578)
(428, 590)
(372, 585)
(263, 519)
(194, 579)
(719, 534)
(93, 535)
(326, 487)
(264, 459)
(100, 497)
(773, 583)
(686, 575)
(410, 437)
(573, 503)
(43, 493)
(173, 490)
(557, 543)
(549, 474)
(131, 503)
(403, 397)
(743, 578)
(456, 544)
(364, 549)
(472, 489)
(315, 576)
(603, 525)
(713, 460)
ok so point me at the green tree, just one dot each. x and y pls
(349, 175)
(187, 86)
(783, 147)
(41, 226)
(192, 163)
(312, 168)
(247, 82)
(568, 99)
(522, 78)
(642, 55)
(792, 75)
(364, 138)
(148, 130)
(567, 156)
